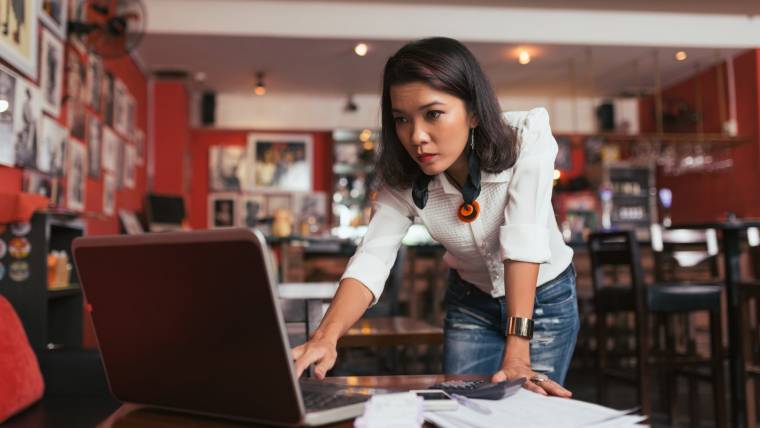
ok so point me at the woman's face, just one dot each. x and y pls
(432, 125)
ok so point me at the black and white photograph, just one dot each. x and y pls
(54, 137)
(139, 136)
(7, 107)
(76, 176)
(109, 193)
(94, 81)
(221, 210)
(94, 144)
(26, 120)
(37, 183)
(227, 168)
(19, 35)
(51, 73)
(110, 149)
(310, 207)
(54, 14)
(120, 99)
(130, 165)
(280, 162)
(250, 209)
(107, 89)
(76, 75)
(131, 120)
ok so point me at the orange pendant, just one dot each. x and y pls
(469, 212)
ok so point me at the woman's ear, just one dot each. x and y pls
(473, 121)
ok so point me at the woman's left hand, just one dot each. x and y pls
(514, 368)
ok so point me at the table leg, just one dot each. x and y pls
(735, 328)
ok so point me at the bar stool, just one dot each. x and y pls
(620, 249)
(751, 324)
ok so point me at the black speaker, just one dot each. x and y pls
(208, 108)
(605, 113)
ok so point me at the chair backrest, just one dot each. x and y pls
(683, 254)
(617, 249)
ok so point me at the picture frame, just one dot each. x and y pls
(28, 112)
(94, 146)
(19, 47)
(280, 162)
(76, 76)
(54, 138)
(37, 183)
(130, 166)
(94, 79)
(228, 168)
(8, 95)
(51, 73)
(251, 207)
(311, 205)
(222, 210)
(130, 223)
(76, 175)
(277, 201)
(109, 193)
(54, 14)
(111, 143)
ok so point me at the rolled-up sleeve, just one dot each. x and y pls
(525, 233)
(374, 258)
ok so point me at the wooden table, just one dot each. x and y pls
(136, 416)
(391, 331)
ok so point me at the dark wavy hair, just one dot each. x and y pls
(446, 65)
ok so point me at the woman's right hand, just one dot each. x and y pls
(317, 350)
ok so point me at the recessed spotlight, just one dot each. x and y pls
(681, 56)
(361, 49)
(200, 76)
(523, 57)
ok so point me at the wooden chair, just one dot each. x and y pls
(617, 250)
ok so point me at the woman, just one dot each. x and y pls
(481, 183)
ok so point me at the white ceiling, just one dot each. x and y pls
(329, 67)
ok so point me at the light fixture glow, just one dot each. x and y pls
(557, 174)
(200, 76)
(260, 88)
(523, 57)
(361, 49)
(4, 106)
(681, 56)
(365, 135)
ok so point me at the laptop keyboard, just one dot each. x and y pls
(317, 400)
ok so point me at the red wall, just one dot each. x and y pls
(172, 136)
(202, 139)
(703, 196)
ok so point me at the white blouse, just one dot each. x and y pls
(516, 220)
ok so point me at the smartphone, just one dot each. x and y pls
(436, 400)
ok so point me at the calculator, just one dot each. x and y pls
(480, 388)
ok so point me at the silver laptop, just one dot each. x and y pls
(189, 321)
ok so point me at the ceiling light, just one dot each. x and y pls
(681, 55)
(260, 88)
(523, 57)
(4, 106)
(361, 49)
(200, 76)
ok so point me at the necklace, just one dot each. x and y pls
(467, 212)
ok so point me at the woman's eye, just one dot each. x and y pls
(399, 119)
(434, 114)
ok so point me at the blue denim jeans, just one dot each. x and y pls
(475, 324)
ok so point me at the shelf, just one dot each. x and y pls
(71, 290)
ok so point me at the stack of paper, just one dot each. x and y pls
(528, 409)
(403, 410)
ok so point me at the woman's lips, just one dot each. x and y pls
(426, 158)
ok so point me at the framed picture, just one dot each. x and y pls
(310, 207)
(109, 193)
(130, 165)
(94, 85)
(139, 137)
(131, 112)
(18, 40)
(110, 150)
(7, 99)
(120, 107)
(26, 120)
(221, 210)
(37, 183)
(227, 168)
(75, 89)
(76, 174)
(276, 201)
(54, 14)
(250, 209)
(54, 139)
(130, 223)
(94, 144)
(280, 161)
(107, 89)
(51, 79)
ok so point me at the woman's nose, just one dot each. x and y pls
(419, 136)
